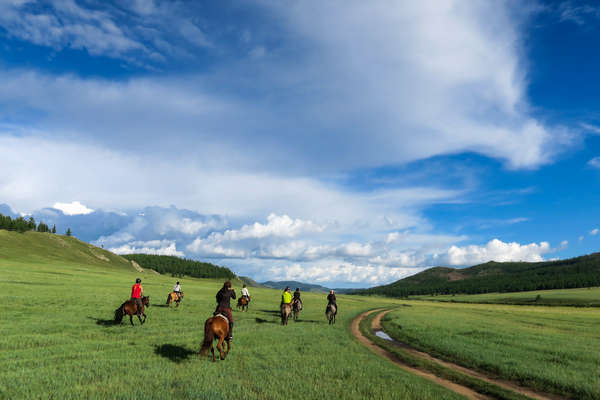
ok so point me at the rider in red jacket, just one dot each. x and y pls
(136, 295)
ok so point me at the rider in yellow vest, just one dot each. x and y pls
(286, 297)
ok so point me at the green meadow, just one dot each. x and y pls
(554, 349)
(582, 297)
(57, 340)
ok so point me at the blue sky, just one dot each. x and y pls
(344, 143)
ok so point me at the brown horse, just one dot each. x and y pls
(216, 327)
(130, 308)
(172, 297)
(242, 303)
(286, 310)
(330, 312)
(296, 308)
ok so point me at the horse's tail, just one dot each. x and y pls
(119, 314)
(209, 336)
(168, 298)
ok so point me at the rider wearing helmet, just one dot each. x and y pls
(177, 289)
(136, 295)
(297, 298)
(223, 304)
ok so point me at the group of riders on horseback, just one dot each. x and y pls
(135, 306)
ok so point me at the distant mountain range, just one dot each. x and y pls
(304, 287)
(576, 272)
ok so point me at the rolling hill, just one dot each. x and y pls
(36, 247)
(576, 272)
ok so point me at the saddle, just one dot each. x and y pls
(217, 314)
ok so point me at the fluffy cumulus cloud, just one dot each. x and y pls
(495, 250)
(72, 208)
(594, 162)
(594, 231)
(158, 247)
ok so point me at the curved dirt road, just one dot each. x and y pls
(462, 390)
(376, 325)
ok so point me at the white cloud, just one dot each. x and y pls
(591, 128)
(594, 162)
(594, 231)
(581, 238)
(495, 250)
(73, 208)
(158, 247)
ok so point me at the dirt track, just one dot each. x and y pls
(463, 390)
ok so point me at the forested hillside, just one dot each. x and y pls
(497, 277)
(180, 266)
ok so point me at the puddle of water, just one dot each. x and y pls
(383, 335)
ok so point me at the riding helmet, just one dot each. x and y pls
(138, 280)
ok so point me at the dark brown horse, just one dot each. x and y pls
(216, 328)
(296, 308)
(172, 297)
(286, 310)
(242, 303)
(130, 308)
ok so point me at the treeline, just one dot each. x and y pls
(21, 225)
(497, 277)
(180, 266)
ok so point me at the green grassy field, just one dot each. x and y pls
(57, 339)
(583, 297)
(550, 348)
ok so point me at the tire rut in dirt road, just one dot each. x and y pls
(462, 390)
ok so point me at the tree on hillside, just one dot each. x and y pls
(31, 224)
(53, 228)
(68, 231)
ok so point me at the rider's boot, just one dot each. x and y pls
(230, 330)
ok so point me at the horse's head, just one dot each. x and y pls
(146, 301)
(182, 294)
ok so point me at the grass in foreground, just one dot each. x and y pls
(582, 297)
(57, 340)
(553, 349)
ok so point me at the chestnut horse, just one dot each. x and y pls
(216, 328)
(243, 303)
(172, 297)
(286, 310)
(130, 308)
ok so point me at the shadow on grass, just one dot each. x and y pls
(104, 322)
(264, 321)
(160, 305)
(312, 321)
(272, 312)
(173, 352)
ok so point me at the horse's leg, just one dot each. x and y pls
(220, 347)
(228, 347)
(144, 317)
(131, 319)
(212, 350)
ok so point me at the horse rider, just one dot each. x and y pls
(286, 296)
(297, 297)
(223, 304)
(177, 290)
(331, 300)
(245, 293)
(136, 295)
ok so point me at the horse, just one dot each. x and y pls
(242, 303)
(330, 312)
(286, 310)
(173, 297)
(130, 308)
(216, 327)
(296, 308)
